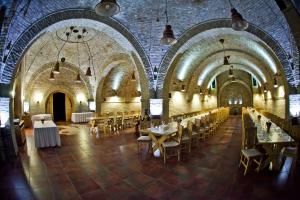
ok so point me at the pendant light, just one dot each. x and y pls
(233, 79)
(275, 83)
(78, 78)
(230, 75)
(56, 68)
(168, 34)
(226, 58)
(107, 8)
(265, 89)
(182, 88)
(200, 91)
(88, 72)
(51, 78)
(133, 76)
(238, 23)
(209, 91)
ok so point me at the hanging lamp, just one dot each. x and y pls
(107, 8)
(265, 89)
(238, 23)
(56, 68)
(230, 75)
(51, 78)
(133, 76)
(168, 34)
(88, 72)
(226, 58)
(78, 78)
(275, 83)
(200, 91)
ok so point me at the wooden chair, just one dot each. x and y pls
(197, 128)
(250, 154)
(144, 137)
(174, 145)
(194, 136)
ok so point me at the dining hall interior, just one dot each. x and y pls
(149, 99)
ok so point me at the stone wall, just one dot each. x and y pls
(178, 103)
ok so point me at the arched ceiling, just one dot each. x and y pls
(108, 49)
(204, 54)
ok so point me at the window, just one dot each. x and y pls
(213, 84)
(254, 82)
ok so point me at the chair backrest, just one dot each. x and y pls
(197, 122)
(180, 133)
(190, 128)
(145, 124)
(250, 137)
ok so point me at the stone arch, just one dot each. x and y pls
(35, 30)
(166, 64)
(64, 65)
(236, 81)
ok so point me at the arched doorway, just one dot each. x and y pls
(59, 105)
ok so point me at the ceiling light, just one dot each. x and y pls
(237, 21)
(200, 91)
(107, 8)
(133, 77)
(265, 89)
(51, 78)
(233, 79)
(78, 79)
(168, 34)
(275, 83)
(88, 72)
(182, 88)
(56, 68)
(230, 75)
(226, 60)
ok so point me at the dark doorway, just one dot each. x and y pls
(59, 110)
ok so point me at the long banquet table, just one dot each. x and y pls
(273, 142)
(46, 134)
(81, 117)
(41, 116)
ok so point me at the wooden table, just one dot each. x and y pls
(273, 142)
(159, 134)
(46, 134)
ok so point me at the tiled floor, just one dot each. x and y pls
(86, 167)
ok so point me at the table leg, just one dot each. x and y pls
(158, 142)
(273, 151)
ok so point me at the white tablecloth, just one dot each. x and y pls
(46, 135)
(41, 116)
(81, 117)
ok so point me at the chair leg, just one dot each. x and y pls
(164, 155)
(178, 153)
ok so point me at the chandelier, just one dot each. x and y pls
(168, 34)
(238, 23)
(79, 36)
(107, 8)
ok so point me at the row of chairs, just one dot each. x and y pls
(108, 123)
(195, 132)
(186, 137)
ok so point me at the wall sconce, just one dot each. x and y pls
(80, 98)
(38, 97)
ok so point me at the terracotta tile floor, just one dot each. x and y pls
(86, 167)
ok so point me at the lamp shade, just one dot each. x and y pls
(78, 78)
(133, 77)
(168, 36)
(88, 72)
(230, 75)
(265, 89)
(56, 68)
(275, 83)
(237, 21)
(107, 8)
(233, 79)
(51, 78)
(226, 60)
(182, 88)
